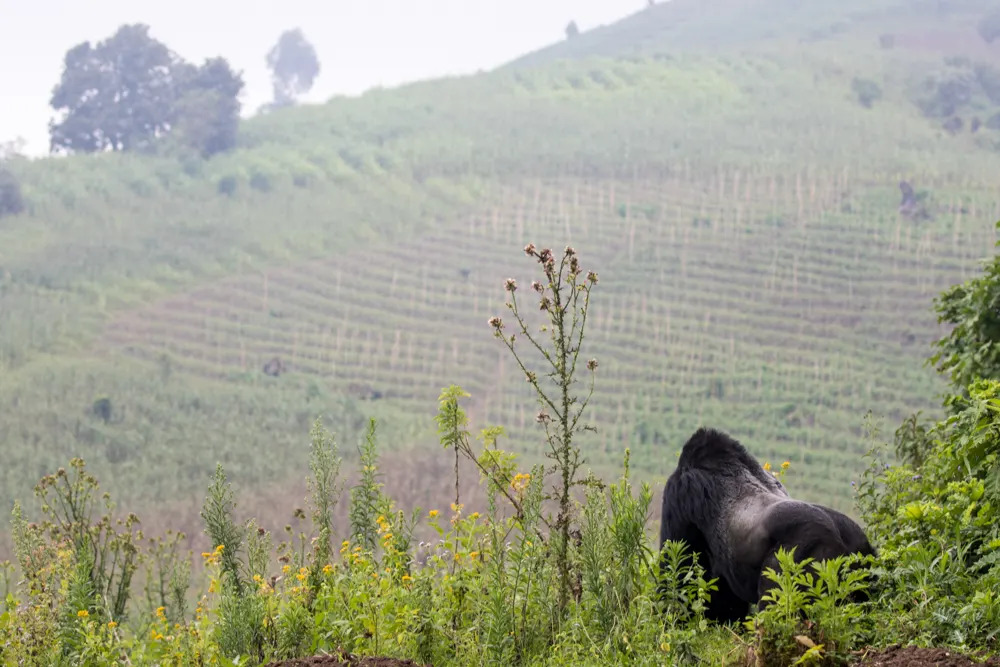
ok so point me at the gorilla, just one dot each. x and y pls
(735, 515)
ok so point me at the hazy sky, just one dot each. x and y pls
(360, 43)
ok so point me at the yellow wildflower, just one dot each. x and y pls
(112, 625)
(520, 481)
(327, 569)
(474, 516)
(83, 613)
(219, 548)
(159, 612)
(256, 578)
(286, 569)
(474, 555)
(784, 466)
(407, 577)
(432, 513)
(767, 466)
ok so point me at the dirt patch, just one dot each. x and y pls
(344, 660)
(912, 656)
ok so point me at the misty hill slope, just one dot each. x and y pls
(740, 209)
(727, 26)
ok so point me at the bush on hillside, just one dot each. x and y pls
(11, 199)
(989, 27)
(989, 79)
(948, 95)
(867, 91)
(971, 350)
(935, 517)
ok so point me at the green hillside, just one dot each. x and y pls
(740, 208)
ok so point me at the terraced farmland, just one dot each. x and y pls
(782, 308)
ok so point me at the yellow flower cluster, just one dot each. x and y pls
(520, 482)
(213, 556)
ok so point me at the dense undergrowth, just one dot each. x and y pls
(558, 569)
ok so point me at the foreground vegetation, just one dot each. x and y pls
(559, 567)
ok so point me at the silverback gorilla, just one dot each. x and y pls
(735, 516)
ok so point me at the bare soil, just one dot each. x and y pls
(344, 660)
(912, 656)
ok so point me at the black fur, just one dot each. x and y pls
(736, 515)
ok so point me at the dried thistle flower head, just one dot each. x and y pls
(569, 251)
(496, 322)
(537, 286)
(529, 249)
(545, 256)
(592, 277)
(510, 285)
(592, 365)
(544, 304)
(542, 417)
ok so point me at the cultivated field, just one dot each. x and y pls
(780, 308)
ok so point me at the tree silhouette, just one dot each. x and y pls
(207, 112)
(130, 89)
(989, 27)
(294, 67)
(115, 95)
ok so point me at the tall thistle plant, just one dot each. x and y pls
(563, 295)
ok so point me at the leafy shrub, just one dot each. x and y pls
(989, 79)
(989, 27)
(949, 95)
(11, 200)
(867, 91)
(938, 578)
(227, 185)
(811, 616)
(971, 349)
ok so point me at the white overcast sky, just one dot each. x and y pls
(360, 43)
